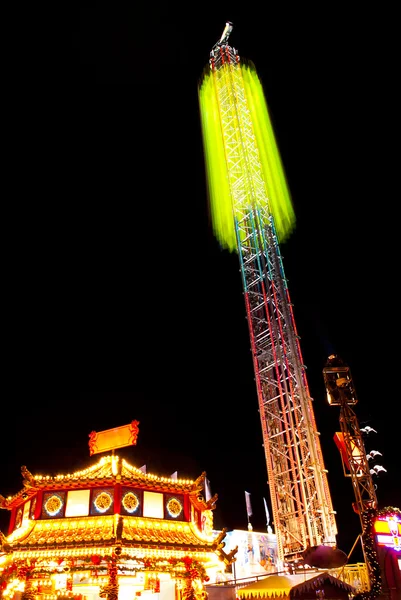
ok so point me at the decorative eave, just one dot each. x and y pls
(109, 470)
(159, 532)
(196, 495)
(4, 544)
(49, 534)
(218, 546)
(126, 532)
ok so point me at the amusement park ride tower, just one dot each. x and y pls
(251, 213)
(341, 392)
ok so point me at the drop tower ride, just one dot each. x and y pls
(251, 213)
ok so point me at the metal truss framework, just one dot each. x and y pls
(362, 482)
(341, 392)
(301, 503)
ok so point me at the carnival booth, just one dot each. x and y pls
(297, 587)
(322, 586)
(276, 586)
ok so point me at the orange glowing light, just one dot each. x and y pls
(383, 526)
(357, 456)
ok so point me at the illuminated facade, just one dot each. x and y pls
(109, 531)
(256, 555)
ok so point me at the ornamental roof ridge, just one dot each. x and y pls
(103, 469)
(100, 471)
(108, 469)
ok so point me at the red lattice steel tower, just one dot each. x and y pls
(250, 213)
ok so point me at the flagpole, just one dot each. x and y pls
(267, 514)
(248, 509)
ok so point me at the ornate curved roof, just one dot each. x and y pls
(160, 532)
(62, 533)
(108, 470)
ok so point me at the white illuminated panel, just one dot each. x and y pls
(388, 540)
(153, 505)
(77, 503)
(25, 515)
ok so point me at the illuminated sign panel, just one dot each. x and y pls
(256, 554)
(111, 439)
(388, 531)
(153, 505)
(77, 503)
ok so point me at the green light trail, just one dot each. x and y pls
(278, 200)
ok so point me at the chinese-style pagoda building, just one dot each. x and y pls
(110, 531)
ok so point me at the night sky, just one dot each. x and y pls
(113, 279)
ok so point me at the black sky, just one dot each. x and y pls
(113, 279)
